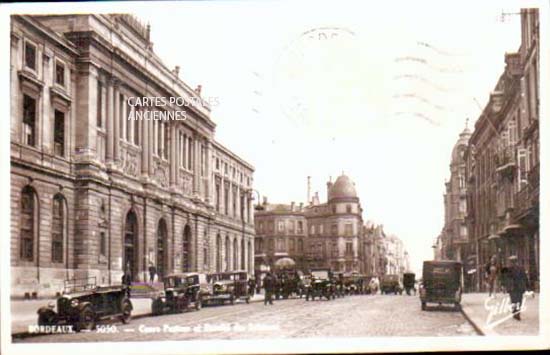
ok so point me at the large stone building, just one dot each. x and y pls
(317, 235)
(502, 168)
(454, 236)
(93, 192)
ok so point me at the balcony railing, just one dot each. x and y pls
(505, 158)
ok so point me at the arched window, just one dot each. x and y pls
(235, 254)
(186, 249)
(162, 234)
(58, 228)
(218, 253)
(227, 253)
(130, 244)
(29, 219)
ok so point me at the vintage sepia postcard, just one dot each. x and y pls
(274, 176)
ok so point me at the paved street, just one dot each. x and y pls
(352, 316)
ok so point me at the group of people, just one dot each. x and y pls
(513, 279)
(127, 277)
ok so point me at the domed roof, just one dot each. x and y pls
(342, 188)
(460, 145)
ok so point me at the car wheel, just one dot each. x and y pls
(86, 319)
(248, 300)
(47, 317)
(232, 299)
(423, 306)
(457, 307)
(156, 307)
(126, 311)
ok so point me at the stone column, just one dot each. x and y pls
(116, 118)
(208, 172)
(173, 155)
(196, 164)
(145, 147)
(110, 121)
(151, 147)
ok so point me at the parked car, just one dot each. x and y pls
(409, 282)
(228, 286)
(391, 284)
(182, 292)
(442, 282)
(321, 285)
(83, 304)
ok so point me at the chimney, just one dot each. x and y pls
(308, 190)
(329, 186)
(513, 64)
(198, 90)
(265, 200)
(177, 70)
(301, 206)
(292, 206)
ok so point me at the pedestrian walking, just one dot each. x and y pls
(268, 287)
(516, 286)
(492, 271)
(152, 273)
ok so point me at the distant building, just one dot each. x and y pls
(454, 236)
(317, 235)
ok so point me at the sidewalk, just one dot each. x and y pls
(23, 312)
(492, 316)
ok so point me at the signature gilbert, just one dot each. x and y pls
(500, 310)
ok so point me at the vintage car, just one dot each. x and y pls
(391, 284)
(182, 291)
(354, 283)
(321, 285)
(409, 282)
(442, 282)
(83, 304)
(288, 283)
(228, 286)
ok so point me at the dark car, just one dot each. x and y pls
(289, 282)
(441, 283)
(83, 304)
(228, 286)
(320, 285)
(408, 282)
(182, 292)
(390, 284)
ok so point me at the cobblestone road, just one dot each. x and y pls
(352, 316)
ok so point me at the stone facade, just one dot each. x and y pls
(329, 236)
(502, 169)
(93, 192)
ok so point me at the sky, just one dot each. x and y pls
(377, 90)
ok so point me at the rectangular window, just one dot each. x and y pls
(59, 133)
(190, 154)
(334, 229)
(291, 227)
(29, 120)
(226, 201)
(281, 226)
(165, 140)
(59, 73)
(99, 117)
(292, 246)
(349, 248)
(136, 124)
(30, 56)
(300, 227)
(218, 201)
(159, 137)
(234, 202)
(102, 244)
